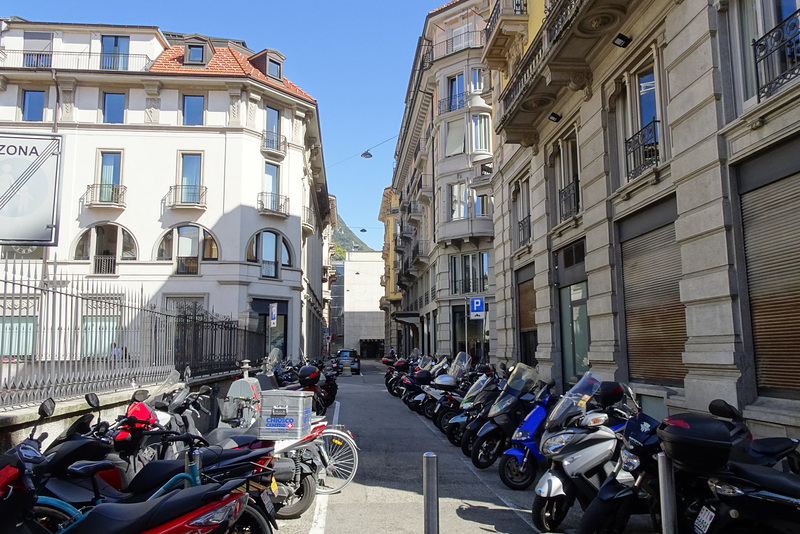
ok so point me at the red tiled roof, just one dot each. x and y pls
(226, 62)
(448, 4)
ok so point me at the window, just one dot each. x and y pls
(566, 165)
(477, 80)
(272, 138)
(274, 69)
(195, 53)
(455, 138)
(111, 163)
(263, 248)
(482, 206)
(114, 52)
(191, 175)
(458, 201)
(768, 46)
(455, 92)
(104, 245)
(193, 108)
(188, 245)
(521, 208)
(33, 106)
(38, 50)
(113, 108)
(100, 325)
(18, 331)
(469, 273)
(481, 132)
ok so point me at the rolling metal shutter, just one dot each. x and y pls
(655, 318)
(771, 218)
(527, 306)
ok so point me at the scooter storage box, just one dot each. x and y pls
(422, 377)
(285, 414)
(401, 365)
(695, 442)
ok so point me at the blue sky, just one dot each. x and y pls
(354, 57)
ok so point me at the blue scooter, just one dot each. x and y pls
(520, 464)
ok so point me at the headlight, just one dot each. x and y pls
(630, 461)
(497, 409)
(467, 405)
(556, 443)
(521, 435)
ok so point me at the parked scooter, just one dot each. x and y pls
(580, 443)
(520, 464)
(482, 391)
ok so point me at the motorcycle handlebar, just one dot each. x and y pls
(187, 439)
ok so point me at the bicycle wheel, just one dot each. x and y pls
(340, 459)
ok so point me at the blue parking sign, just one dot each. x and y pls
(476, 308)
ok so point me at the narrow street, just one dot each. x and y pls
(386, 494)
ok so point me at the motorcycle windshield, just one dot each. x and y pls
(460, 365)
(574, 401)
(522, 380)
(476, 388)
(425, 363)
(165, 387)
(437, 368)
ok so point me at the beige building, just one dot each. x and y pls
(444, 256)
(647, 195)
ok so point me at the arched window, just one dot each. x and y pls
(188, 246)
(268, 248)
(105, 245)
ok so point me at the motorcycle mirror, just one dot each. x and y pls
(47, 408)
(140, 395)
(92, 400)
(631, 395)
(205, 390)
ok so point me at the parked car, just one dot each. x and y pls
(348, 358)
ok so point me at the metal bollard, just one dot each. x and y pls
(666, 488)
(430, 492)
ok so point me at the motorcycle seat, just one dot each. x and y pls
(87, 468)
(153, 475)
(134, 518)
(770, 479)
(764, 451)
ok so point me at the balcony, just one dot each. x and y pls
(568, 201)
(105, 196)
(187, 265)
(187, 196)
(105, 264)
(472, 39)
(507, 22)
(524, 232)
(463, 286)
(464, 229)
(414, 211)
(778, 57)
(309, 221)
(420, 251)
(30, 59)
(641, 150)
(274, 144)
(453, 102)
(272, 204)
(426, 187)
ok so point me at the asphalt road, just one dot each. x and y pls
(386, 494)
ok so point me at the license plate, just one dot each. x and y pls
(703, 521)
(267, 503)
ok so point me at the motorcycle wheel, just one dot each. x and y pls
(302, 499)
(49, 517)
(429, 408)
(548, 512)
(251, 522)
(454, 434)
(467, 442)
(444, 421)
(487, 449)
(395, 388)
(513, 475)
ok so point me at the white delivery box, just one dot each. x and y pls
(285, 414)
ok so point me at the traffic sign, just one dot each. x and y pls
(273, 315)
(476, 308)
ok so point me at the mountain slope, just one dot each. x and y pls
(346, 240)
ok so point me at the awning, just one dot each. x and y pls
(411, 318)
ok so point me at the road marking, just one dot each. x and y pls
(468, 462)
(321, 506)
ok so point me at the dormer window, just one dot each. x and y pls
(195, 53)
(274, 69)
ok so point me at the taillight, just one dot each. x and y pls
(315, 432)
(680, 423)
(263, 461)
(228, 513)
(7, 474)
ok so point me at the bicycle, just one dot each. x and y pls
(339, 454)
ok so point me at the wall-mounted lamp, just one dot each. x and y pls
(555, 117)
(622, 40)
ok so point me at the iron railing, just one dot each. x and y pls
(524, 231)
(641, 150)
(568, 201)
(777, 56)
(453, 102)
(274, 142)
(187, 195)
(33, 59)
(461, 286)
(470, 39)
(518, 7)
(105, 194)
(62, 336)
(187, 265)
(562, 18)
(420, 249)
(105, 264)
(273, 203)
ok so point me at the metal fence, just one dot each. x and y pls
(64, 335)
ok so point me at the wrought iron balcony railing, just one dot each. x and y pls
(524, 231)
(519, 7)
(420, 249)
(106, 194)
(568, 201)
(461, 286)
(309, 219)
(187, 196)
(273, 203)
(187, 265)
(471, 39)
(105, 264)
(32, 59)
(777, 56)
(273, 142)
(641, 150)
(453, 102)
